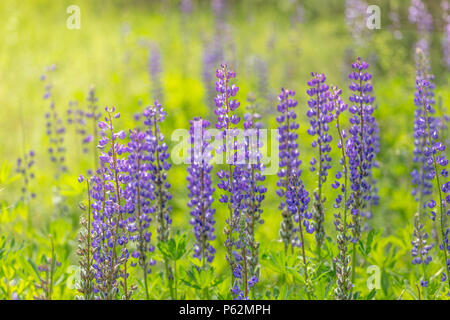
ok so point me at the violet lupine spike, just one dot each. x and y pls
(24, 166)
(360, 146)
(232, 180)
(341, 204)
(139, 195)
(201, 190)
(422, 173)
(55, 129)
(257, 190)
(434, 153)
(246, 271)
(320, 113)
(289, 160)
(108, 210)
(158, 156)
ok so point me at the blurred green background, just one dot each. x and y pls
(270, 44)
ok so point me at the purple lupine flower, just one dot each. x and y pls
(434, 154)
(341, 204)
(422, 173)
(320, 113)
(254, 193)
(139, 195)
(159, 156)
(201, 190)
(109, 225)
(154, 71)
(289, 160)
(233, 181)
(360, 146)
(55, 129)
(24, 166)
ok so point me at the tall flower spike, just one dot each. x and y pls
(159, 156)
(139, 194)
(360, 146)
(254, 194)
(343, 268)
(434, 153)
(320, 113)
(289, 160)
(201, 190)
(108, 211)
(158, 170)
(233, 180)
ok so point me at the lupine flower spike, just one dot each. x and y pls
(343, 268)
(321, 114)
(201, 191)
(139, 194)
(108, 210)
(434, 153)
(289, 161)
(158, 156)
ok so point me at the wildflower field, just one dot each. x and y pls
(224, 149)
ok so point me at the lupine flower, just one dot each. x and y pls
(289, 161)
(434, 153)
(55, 129)
(139, 194)
(201, 190)
(422, 173)
(24, 167)
(342, 205)
(109, 226)
(158, 156)
(154, 71)
(320, 113)
(255, 192)
(360, 146)
(230, 181)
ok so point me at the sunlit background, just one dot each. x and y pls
(134, 52)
